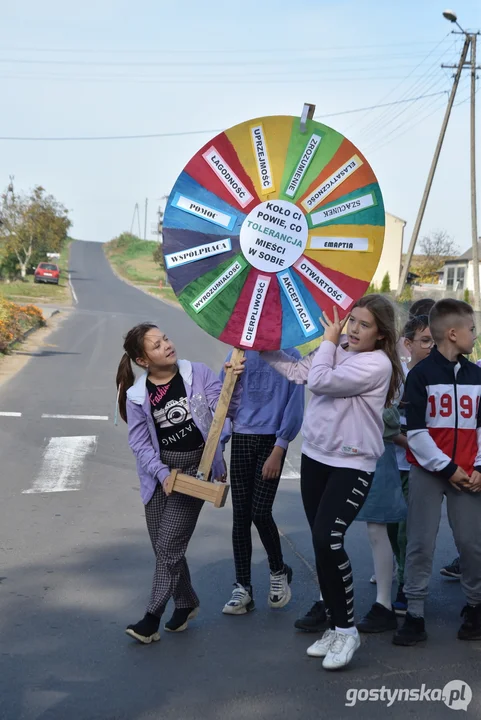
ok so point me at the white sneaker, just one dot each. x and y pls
(280, 592)
(321, 647)
(341, 650)
(240, 603)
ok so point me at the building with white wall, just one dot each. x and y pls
(457, 274)
(391, 256)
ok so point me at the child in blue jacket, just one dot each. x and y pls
(268, 418)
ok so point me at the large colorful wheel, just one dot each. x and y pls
(267, 226)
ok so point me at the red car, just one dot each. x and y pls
(47, 272)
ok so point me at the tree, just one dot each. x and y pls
(158, 255)
(436, 249)
(31, 225)
(386, 284)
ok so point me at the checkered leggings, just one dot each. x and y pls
(252, 501)
(171, 521)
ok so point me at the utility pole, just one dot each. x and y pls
(145, 218)
(427, 189)
(474, 212)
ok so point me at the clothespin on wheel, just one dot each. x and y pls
(307, 114)
(201, 486)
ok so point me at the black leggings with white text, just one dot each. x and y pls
(332, 498)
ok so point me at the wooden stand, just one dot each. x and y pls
(200, 486)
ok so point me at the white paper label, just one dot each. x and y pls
(199, 252)
(274, 235)
(323, 190)
(219, 284)
(302, 165)
(317, 278)
(262, 159)
(338, 243)
(204, 211)
(344, 208)
(227, 176)
(255, 310)
(297, 303)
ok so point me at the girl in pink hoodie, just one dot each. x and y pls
(351, 382)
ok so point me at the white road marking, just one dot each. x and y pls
(74, 294)
(63, 459)
(289, 473)
(75, 417)
(10, 414)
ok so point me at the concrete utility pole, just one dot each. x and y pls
(427, 189)
(474, 211)
(469, 42)
(145, 218)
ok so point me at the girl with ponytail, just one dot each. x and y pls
(168, 410)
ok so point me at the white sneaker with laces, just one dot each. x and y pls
(321, 647)
(240, 603)
(280, 592)
(341, 650)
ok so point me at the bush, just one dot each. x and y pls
(15, 320)
(407, 294)
(371, 289)
(158, 255)
(466, 297)
(386, 284)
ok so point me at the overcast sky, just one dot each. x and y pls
(112, 67)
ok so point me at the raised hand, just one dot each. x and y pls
(333, 328)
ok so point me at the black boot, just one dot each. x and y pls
(314, 620)
(471, 627)
(412, 631)
(378, 619)
(146, 630)
(180, 618)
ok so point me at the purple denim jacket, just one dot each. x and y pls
(203, 389)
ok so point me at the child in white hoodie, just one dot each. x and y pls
(352, 382)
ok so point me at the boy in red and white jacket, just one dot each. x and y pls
(443, 416)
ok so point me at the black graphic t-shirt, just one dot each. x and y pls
(175, 427)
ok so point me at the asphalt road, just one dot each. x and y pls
(76, 565)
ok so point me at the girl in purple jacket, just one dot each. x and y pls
(351, 380)
(168, 410)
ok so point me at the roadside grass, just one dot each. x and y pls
(133, 260)
(24, 291)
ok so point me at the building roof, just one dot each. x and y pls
(396, 217)
(464, 258)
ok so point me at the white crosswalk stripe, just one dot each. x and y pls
(62, 464)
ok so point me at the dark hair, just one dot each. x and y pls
(445, 312)
(384, 315)
(421, 307)
(134, 348)
(418, 322)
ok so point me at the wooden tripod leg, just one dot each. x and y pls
(219, 417)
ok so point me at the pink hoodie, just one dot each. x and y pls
(343, 424)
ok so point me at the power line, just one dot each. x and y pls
(303, 78)
(201, 132)
(203, 63)
(385, 97)
(230, 50)
(419, 86)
